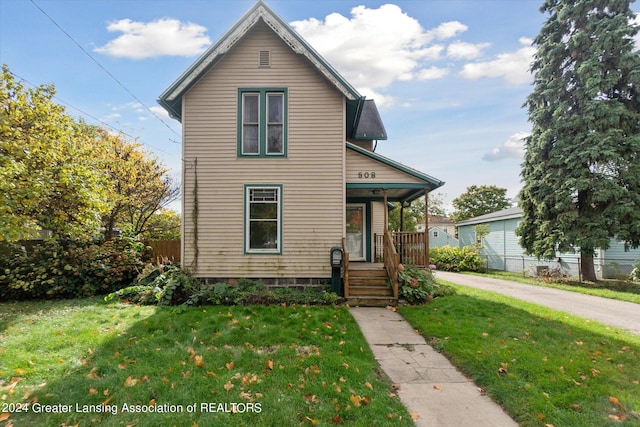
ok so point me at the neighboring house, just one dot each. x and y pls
(439, 237)
(502, 250)
(441, 222)
(278, 166)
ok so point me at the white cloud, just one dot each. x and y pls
(165, 36)
(382, 101)
(512, 148)
(463, 50)
(513, 67)
(375, 47)
(446, 30)
(159, 111)
(432, 73)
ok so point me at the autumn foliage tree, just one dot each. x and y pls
(581, 169)
(62, 175)
(49, 177)
(140, 184)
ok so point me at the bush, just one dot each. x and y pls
(171, 285)
(68, 269)
(453, 258)
(417, 285)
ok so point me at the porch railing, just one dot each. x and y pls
(410, 247)
(391, 261)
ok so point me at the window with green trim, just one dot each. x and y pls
(263, 219)
(262, 122)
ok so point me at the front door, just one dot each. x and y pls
(356, 238)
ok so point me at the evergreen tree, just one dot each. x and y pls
(581, 170)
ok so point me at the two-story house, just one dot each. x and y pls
(278, 160)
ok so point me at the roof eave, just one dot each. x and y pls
(171, 97)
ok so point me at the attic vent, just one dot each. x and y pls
(264, 58)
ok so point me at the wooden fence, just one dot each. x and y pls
(169, 249)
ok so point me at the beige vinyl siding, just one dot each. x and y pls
(357, 163)
(377, 217)
(311, 175)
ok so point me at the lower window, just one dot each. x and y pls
(263, 215)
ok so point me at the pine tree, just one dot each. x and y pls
(581, 170)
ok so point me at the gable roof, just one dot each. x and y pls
(171, 98)
(509, 213)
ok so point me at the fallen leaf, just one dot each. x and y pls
(4, 416)
(336, 419)
(368, 385)
(93, 391)
(229, 365)
(437, 387)
(616, 401)
(228, 386)
(92, 373)
(269, 364)
(199, 361)
(355, 400)
(540, 416)
(311, 398)
(415, 416)
(130, 382)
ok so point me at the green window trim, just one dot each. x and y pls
(268, 119)
(257, 216)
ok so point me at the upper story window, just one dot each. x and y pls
(262, 122)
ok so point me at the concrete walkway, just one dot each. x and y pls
(620, 314)
(429, 385)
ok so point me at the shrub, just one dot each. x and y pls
(453, 258)
(417, 285)
(172, 285)
(68, 269)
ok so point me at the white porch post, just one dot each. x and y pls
(426, 228)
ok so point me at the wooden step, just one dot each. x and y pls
(368, 286)
(369, 281)
(370, 290)
(371, 301)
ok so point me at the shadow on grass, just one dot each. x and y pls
(11, 311)
(540, 369)
(220, 366)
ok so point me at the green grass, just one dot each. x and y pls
(542, 366)
(299, 365)
(622, 290)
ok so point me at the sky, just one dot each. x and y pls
(449, 77)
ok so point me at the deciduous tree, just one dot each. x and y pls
(49, 176)
(581, 170)
(479, 200)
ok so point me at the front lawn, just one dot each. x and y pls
(544, 367)
(85, 362)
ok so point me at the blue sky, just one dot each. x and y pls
(449, 76)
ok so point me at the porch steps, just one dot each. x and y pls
(368, 285)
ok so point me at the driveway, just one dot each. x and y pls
(620, 314)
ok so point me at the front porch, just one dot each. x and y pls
(371, 252)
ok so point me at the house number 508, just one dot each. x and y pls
(366, 175)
